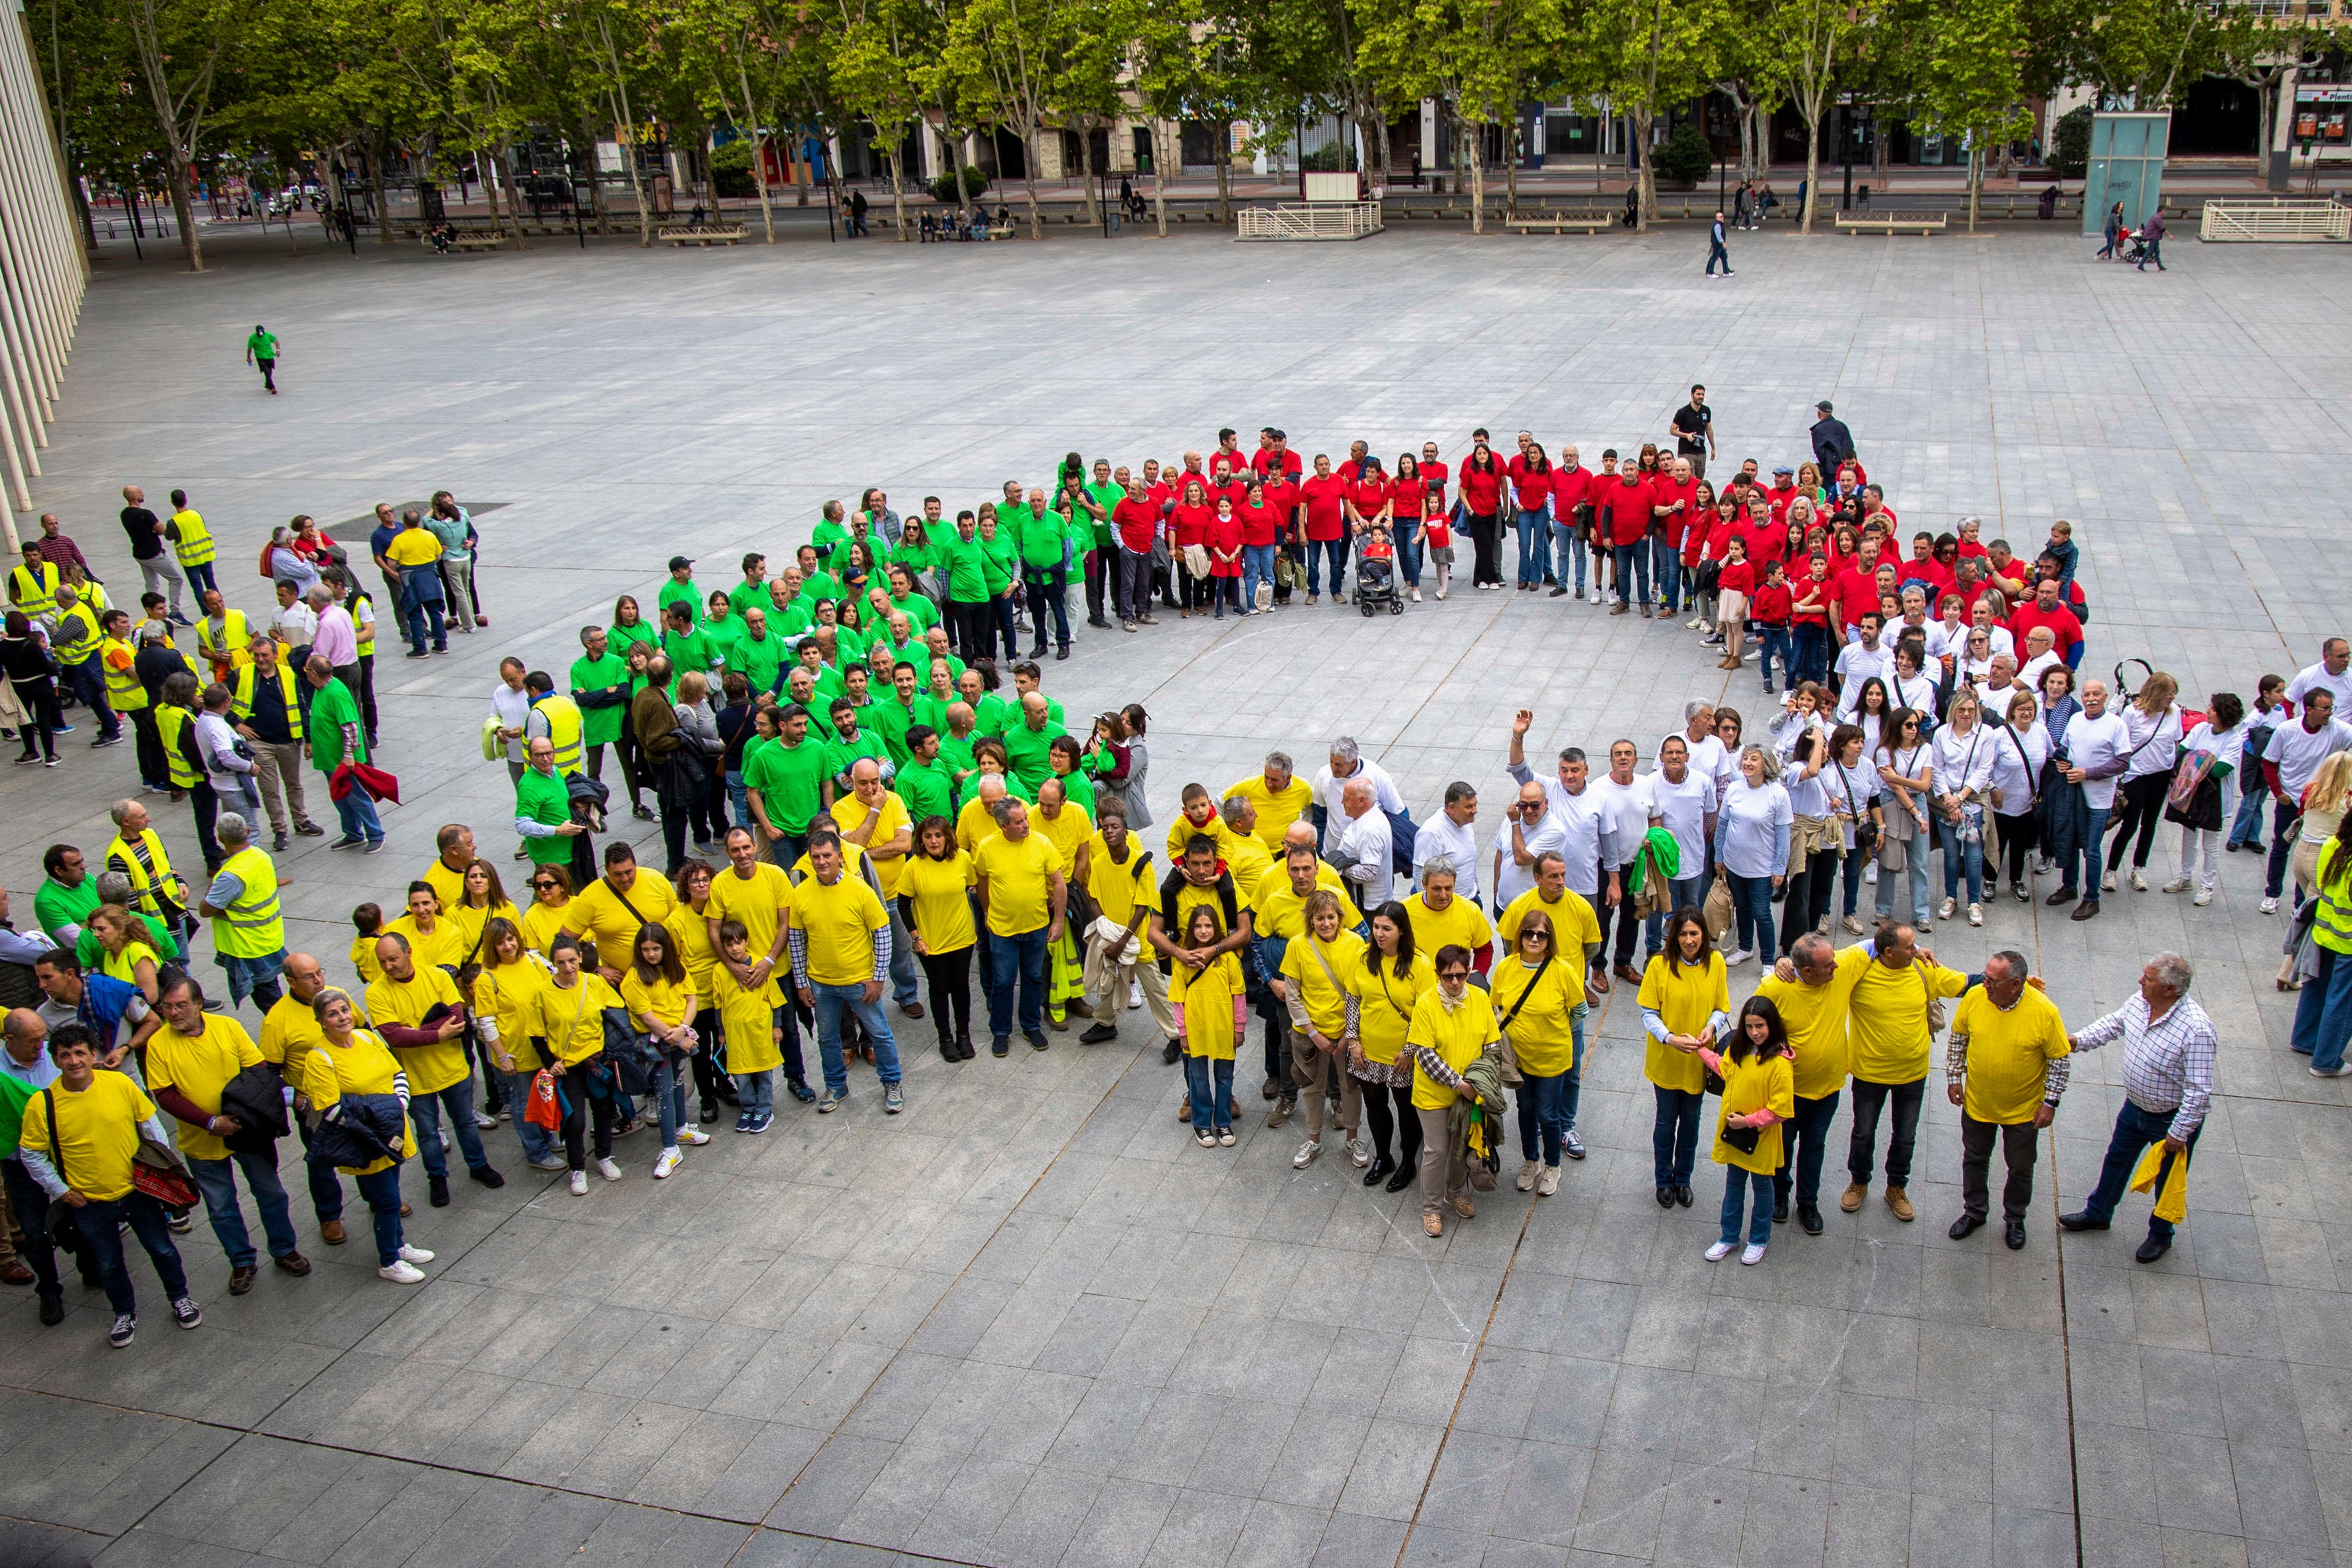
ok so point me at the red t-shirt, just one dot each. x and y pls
(1737, 577)
(1282, 499)
(2066, 631)
(1325, 519)
(1627, 507)
(1777, 499)
(1408, 495)
(1260, 524)
(1819, 591)
(1225, 536)
(1191, 524)
(1530, 488)
(1482, 493)
(1137, 521)
(1571, 488)
(1769, 606)
(1767, 542)
(1433, 477)
(1161, 493)
(1969, 547)
(1263, 462)
(1667, 493)
(1856, 590)
(1369, 495)
(1712, 543)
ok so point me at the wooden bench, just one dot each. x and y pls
(1556, 223)
(475, 242)
(1891, 223)
(731, 235)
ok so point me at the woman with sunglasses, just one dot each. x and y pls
(1907, 771)
(1537, 995)
(1383, 991)
(551, 896)
(1453, 1026)
(1685, 1002)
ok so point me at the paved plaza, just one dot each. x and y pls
(1030, 1323)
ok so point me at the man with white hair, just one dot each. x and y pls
(1365, 848)
(1451, 836)
(1348, 762)
(248, 928)
(2169, 1045)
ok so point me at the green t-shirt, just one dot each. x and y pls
(920, 612)
(619, 639)
(545, 798)
(1000, 562)
(798, 617)
(926, 788)
(821, 585)
(994, 715)
(890, 719)
(1105, 495)
(759, 658)
(601, 726)
(14, 1095)
(725, 631)
(787, 778)
(1028, 750)
(260, 345)
(956, 757)
(676, 593)
(967, 582)
(748, 595)
(1039, 539)
(56, 906)
(690, 650)
(840, 756)
(832, 542)
(916, 558)
(333, 708)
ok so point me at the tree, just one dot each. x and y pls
(1083, 79)
(1482, 55)
(1650, 55)
(1004, 49)
(2259, 52)
(1809, 40)
(877, 72)
(178, 44)
(1972, 82)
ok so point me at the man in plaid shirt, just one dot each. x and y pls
(2169, 1046)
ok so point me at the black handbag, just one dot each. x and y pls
(1744, 1139)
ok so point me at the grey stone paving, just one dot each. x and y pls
(1029, 1322)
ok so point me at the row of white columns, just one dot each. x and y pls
(43, 273)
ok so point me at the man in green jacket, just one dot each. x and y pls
(543, 817)
(336, 736)
(958, 560)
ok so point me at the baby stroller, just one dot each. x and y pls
(1375, 573)
(2130, 246)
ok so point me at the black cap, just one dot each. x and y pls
(677, 562)
(1823, 407)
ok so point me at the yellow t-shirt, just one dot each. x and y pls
(656, 999)
(689, 931)
(1753, 1085)
(364, 1066)
(433, 1067)
(1276, 809)
(1384, 1001)
(1815, 1017)
(1574, 927)
(940, 891)
(509, 992)
(1184, 830)
(363, 964)
(850, 813)
(1068, 833)
(1461, 923)
(443, 946)
(2008, 1054)
(467, 922)
(1457, 1037)
(599, 911)
(1118, 888)
(573, 1022)
(412, 547)
(1208, 1001)
(200, 1069)
(1320, 987)
(97, 1131)
(542, 925)
(1277, 910)
(1246, 858)
(124, 966)
(1887, 1020)
(288, 1029)
(840, 922)
(1020, 875)
(747, 1020)
(1543, 1035)
(974, 826)
(447, 886)
(1684, 998)
(758, 901)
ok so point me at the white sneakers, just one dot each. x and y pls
(1527, 1183)
(401, 1273)
(1851, 924)
(1736, 958)
(2204, 897)
(1549, 1183)
(1717, 1251)
(671, 1161)
(2107, 882)
(1753, 1254)
(1360, 1152)
(413, 1253)
(693, 1136)
(1416, 595)
(579, 1183)
(2139, 882)
(1975, 914)
(1947, 909)
(1134, 994)
(2177, 885)
(609, 1170)
(1306, 1155)
(2270, 906)
(1870, 873)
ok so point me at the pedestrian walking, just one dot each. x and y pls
(1715, 250)
(261, 350)
(2151, 234)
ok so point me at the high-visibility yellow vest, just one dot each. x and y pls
(93, 594)
(363, 631)
(564, 726)
(252, 925)
(195, 542)
(2332, 926)
(121, 856)
(36, 593)
(249, 679)
(225, 648)
(76, 637)
(172, 722)
(125, 692)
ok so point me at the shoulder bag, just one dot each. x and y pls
(1509, 1054)
(64, 1233)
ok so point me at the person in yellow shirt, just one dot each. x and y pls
(1441, 917)
(190, 1060)
(1812, 992)
(1386, 984)
(1453, 1026)
(1538, 998)
(689, 924)
(551, 901)
(1117, 969)
(1758, 1095)
(1208, 1001)
(350, 1059)
(977, 819)
(662, 1005)
(1245, 855)
(572, 1009)
(1280, 796)
(288, 1030)
(1062, 822)
(2005, 1067)
(1199, 818)
(934, 906)
(434, 940)
(1685, 1001)
(840, 940)
(1019, 879)
(1315, 967)
(82, 1158)
(506, 998)
(611, 911)
(875, 820)
(749, 1009)
(368, 920)
(481, 898)
(416, 1009)
(418, 554)
(1887, 1033)
(1577, 930)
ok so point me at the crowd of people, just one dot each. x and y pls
(867, 800)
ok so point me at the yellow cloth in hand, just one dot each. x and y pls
(2172, 1203)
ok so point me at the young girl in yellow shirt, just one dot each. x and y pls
(660, 1000)
(1759, 1092)
(1209, 1018)
(747, 1023)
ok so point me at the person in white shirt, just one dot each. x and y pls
(294, 625)
(1814, 837)
(1974, 662)
(1570, 798)
(2331, 674)
(1850, 783)
(1531, 829)
(1703, 749)
(1364, 851)
(2155, 728)
(510, 706)
(1859, 660)
(217, 739)
(1449, 835)
(1751, 845)
(1963, 753)
(1348, 763)
(1907, 775)
(1626, 817)
(2214, 747)
(2270, 712)
(2296, 750)
(1911, 687)
(2041, 655)
(1683, 798)
(2001, 639)
(1995, 689)
(2097, 747)
(2021, 746)
(1948, 633)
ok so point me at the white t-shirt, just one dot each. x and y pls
(1514, 879)
(1850, 791)
(1917, 692)
(1994, 705)
(1440, 836)
(512, 707)
(1625, 811)
(1580, 815)
(1328, 789)
(2030, 673)
(1745, 833)
(2227, 748)
(2017, 760)
(1963, 761)
(1856, 664)
(2154, 741)
(1684, 808)
(2297, 752)
(1368, 839)
(2338, 686)
(2094, 742)
(1707, 757)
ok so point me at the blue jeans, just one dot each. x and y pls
(1738, 1184)
(200, 577)
(739, 797)
(539, 1145)
(1632, 561)
(2322, 1013)
(356, 812)
(1571, 1093)
(756, 1091)
(787, 848)
(1408, 549)
(905, 981)
(1957, 853)
(100, 1223)
(1316, 551)
(424, 1116)
(217, 1182)
(2087, 853)
(1774, 642)
(1915, 872)
(1805, 1139)
(1565, 552)
(1674, 1136)
(830, 1002)
(1535, 545)
(2283, 818)
(1714, 253)
(1257, 567)
(1666, 572)
(1680, 890)
(1210, 1081)
(1020, 957)
(669, 1098)
(2135, 1131)
(88, 684)
(1810, 655)
(2246, 828)
(1752, 905)
(1048, 588)
(381, 1192)
(1539, 1104)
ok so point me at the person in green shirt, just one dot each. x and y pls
(817, 582)
(1000, 566)
(911, 550)
(1027, 678)
(1026, 744)
(686, 647)
(1102, 555)
(630, 625)
(990, 714)
(924, 781)
(543, 801)
(724, 627)
(767, 729)
(943, 651)
(800, 690)
(904, 597)
(600, 686)
(758, 655)
(894, 716)
(850, 637)
(1042, 536)
(680, 590)
(852, 742)
(959, 562)
(753, 589)
(785, 786)
(336, 736)
(830, 538)
(931, 707)
(261, 350)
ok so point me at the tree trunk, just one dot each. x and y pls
(800, 178)
(596, 203)
(183, 208)
(1029, 174)
(1478, 178)
(636, 185)
(1086, 173)
(1511, 155)
(1813, 170)
(1976, 182)
(898, 203)
(1646, 175)
(759, 161)
(1160, 173)
(1225, 171)
(503, 173)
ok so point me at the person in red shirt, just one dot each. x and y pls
(1675, 508)
(1433, 474)
(1809, 623)
(1188, 527)
(1704, 550)
(1733, 587)
(1229, 451)
(2047, 610)
(1626, 508)
(1783, 491)
(1769, 610)
(1571, 513)
(1481, 480)
(1262, 525)
(1530, 474)
(1970, 527)
(1356, 452)
(1273, 456)
(1409, 500)
(1922, 567)
(1136, 521)
(1324, 494)
(1225, 545)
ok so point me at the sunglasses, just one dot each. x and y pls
(543, 886)
(1454, 974)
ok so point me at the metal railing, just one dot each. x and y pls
(2279, 220)
(1330, 220)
